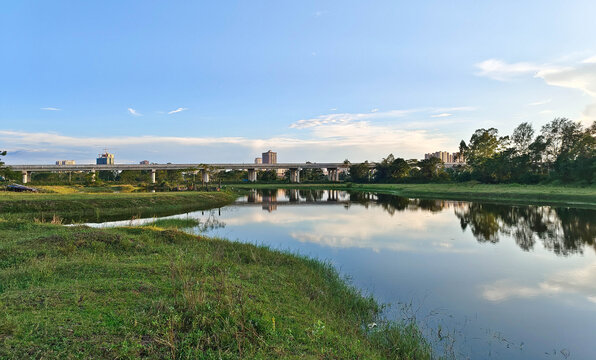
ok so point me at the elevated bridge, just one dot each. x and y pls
(205, 169)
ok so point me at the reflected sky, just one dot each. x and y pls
(508, 282)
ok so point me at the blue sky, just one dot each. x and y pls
(321, 81)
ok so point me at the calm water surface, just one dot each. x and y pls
(505, 282)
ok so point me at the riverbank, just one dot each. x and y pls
(156, 292)
(81, 207)
(501, 193)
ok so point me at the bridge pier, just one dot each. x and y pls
(26, 176)
(333, 174)
(153, 171)
(295, 175)
(205, 176)
(252, 175)
(92, 175)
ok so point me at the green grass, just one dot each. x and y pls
(507, 193)
(125, 293)
(87, 207)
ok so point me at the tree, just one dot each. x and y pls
(360, 172)
(522, 138)
(430, 168)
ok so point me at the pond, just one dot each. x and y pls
(483, 280)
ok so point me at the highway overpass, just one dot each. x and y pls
(205, 169)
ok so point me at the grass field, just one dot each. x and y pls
(89, 207)
(155, 292)
(509, 193)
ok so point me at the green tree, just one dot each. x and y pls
(522, 138)
(360, 173)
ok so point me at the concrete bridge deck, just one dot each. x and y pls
(332, 168)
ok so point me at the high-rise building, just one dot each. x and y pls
(144, 162)
(65, 162)
(105, 159)
(446, 157)
(269, 157)
(258, 160)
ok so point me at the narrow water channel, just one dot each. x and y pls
(486, 280)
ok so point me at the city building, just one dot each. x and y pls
(105, 159)
(269, 157)
(144, 162)
(445, 157)
(65, 162)
(258, 160)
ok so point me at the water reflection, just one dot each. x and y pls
(562, 230)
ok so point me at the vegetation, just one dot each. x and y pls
(87, 207)
(563, 152)
(155, 292)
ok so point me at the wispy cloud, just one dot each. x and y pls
(502, 71)
(50, 109)
(541, 102)
(132, 111)
(177, 110)
(454, 109)
(441, 115)
(343, 118)
(374, 110)
(572, 74)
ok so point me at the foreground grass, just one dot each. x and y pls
(508, 193)
(81, 207)
(154, 292)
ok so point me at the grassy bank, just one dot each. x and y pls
(154, 292)
(509, 193)
(77, 207)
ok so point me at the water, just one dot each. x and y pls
(502, 282)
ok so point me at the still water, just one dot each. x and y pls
(499, 281)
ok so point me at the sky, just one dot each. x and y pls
(223, 81)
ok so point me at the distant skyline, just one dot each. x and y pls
(314, 81)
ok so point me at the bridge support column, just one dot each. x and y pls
(205, 175)
(295, 175)
(26, 176)
(153, 171)
(332, 174)
(252, 175)
(93, 175)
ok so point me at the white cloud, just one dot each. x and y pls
(177, 110)
(343, 118)
(455, 109)
(502, 71)
(441, 115)
(134, 112)
(581, 77)
(578, 75)
(541, 102)
(50, 108)
(374, 110)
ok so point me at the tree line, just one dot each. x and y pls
(562, 151)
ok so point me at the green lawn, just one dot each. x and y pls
(89, 207)
(156, 292)
(78, 292)
(510, 193)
